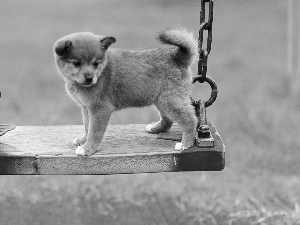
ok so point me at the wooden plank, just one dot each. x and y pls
(106, 164)
(17, 163)
(125, 149)
(4, 128)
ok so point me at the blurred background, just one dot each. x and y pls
(256, 113)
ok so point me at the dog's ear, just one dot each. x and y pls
(63, 48)
(106, 42)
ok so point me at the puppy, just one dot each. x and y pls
(102, 79)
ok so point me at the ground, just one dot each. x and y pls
(256, 114)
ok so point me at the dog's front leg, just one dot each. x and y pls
(98, 121)
(82, 140)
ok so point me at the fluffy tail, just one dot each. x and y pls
(183, 39)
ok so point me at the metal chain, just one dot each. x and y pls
(203, 53)
(204, 25)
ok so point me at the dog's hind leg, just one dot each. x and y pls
(180, 110)
(164, 124)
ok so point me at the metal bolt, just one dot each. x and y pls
(203, 131)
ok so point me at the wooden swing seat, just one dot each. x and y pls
(125, 149)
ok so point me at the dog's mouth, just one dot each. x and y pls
(88, 82)
(85, 85)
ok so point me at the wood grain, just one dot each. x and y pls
(125, 149)
(4, 128)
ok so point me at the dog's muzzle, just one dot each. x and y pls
(88, 79)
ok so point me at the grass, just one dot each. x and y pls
(256, 114)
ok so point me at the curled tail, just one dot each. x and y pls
(188, 47)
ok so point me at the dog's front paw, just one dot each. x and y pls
(82, 151)
(79, 141)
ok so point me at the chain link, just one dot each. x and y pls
(203, 53)
(204, 25)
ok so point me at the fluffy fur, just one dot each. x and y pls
(102, 79)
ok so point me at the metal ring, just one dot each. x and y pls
(213, 86)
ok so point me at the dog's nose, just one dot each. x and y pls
(88, 78)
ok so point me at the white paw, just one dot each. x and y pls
(149, 128)
(80, 151)
(179, 146)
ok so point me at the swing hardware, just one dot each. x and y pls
(203, 53)
(203, 129)
(214, 90)
(204, 25)
(203, 133)
(204, 137)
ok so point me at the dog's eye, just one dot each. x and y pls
(95, 64)
(76, 63)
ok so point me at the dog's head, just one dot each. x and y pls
(81, 57)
